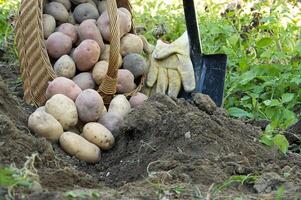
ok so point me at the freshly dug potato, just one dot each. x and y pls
(125, 81)
(57, 10)
(58, 44)
(92, 3)
(66, 3)
(102, 6)
(68, 29)
(103, 24)
(42, 108)
(89, 30)
(84, 80)
(99, 71)
(85, 11)
(45, 125)
(99, 135)
(71, 19)
(65, 86)
(79, 147)
(65, 67)
(48, 25)
(63, 109)
(76, 2)
(135, 63)
(120, 105)
(89, 105)
(111, 120)
(105, 54)
(137, 100)
(126, 11)
(131, 43)
(86, 55)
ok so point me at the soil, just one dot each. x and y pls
(166, 149)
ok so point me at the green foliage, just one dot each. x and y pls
(82, 194)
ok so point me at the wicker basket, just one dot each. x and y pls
(36, 69)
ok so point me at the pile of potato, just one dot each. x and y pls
(77, 38)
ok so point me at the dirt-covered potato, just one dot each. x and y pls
(125, 81)
(65, 67)
(86, 55)
(131, 43)
(65, 86)
(58, 44)
(105, 54)
(103, 24)
(102, 6)
(137, 100)
(45, 125)
(66, 3)
(99, 71)
(120, 105)
(89, 30)
(111, 120)
(135, 63)
(99, 135)
(68, 29)
(63, 109)
(48, 25)
(57, 10)
(85, 11)
(77, 146)
(89, 105)
(84, 80)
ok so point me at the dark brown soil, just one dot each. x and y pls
(168, 148)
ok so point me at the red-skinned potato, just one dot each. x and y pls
(88, 30)
(57, 10)
(86, 55)
(49, 25)
(85, 11)
(65, 67)
(89, 105)
(79, 147)
(99, 135)
(99, 71)
(69, 30)
(103, 24)
(125, 81)
(58, 44)
(131, 43)
(65, 86)
(84, 80)
(137, 100)
(111, 120)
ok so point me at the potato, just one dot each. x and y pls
(99, 71)
(120, 105)
(103, 24)
(65, 86)
(58, 44)
(89, 30)
(85, 11)
(71, 19)
(131, 43)
(79, 147)
(137, 100)
(68, 29)
(57, 10)
(99, 135)
(102, 6)
(105, 54)
(111, 120)
(126, 11)
(135, 63)
(63, 109)
(84, 80)
(45, 125)
(48, 25)
(92, 3)
(125, 81)
(66, 3)
(89, 105)
(42, 108)
(65, 67)
(86, 55)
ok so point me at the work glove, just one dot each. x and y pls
(171, 67)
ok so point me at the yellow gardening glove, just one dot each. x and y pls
(171, 67)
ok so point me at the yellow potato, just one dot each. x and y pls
(131, 43)
(79, 147)
(99, 135)
(99, 71)
(45, 125)
(62, 109)
(120, 105)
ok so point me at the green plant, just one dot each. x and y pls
(82, 194)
